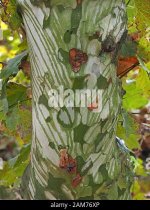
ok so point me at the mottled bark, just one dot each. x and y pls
(100, 169)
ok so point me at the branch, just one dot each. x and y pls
(128, 70)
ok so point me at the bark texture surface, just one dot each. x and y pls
(94, 165)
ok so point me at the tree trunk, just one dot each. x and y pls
(74, 44)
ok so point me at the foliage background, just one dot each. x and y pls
(15, 100)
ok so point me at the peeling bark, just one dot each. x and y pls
(60, 36)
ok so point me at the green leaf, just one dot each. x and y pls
(145, 67)
(14, 169)
(23, 156)
(12, 67)
(4, 105)
(134, 98)
(139, 169)
(143, 14)
(143, 82)
(129, 123)
(129, 48)
(12, 119)
(16, 93)
(131, 141)
(11, 16)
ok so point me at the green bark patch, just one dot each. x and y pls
(79, 133)
(75, 18)
(113, 168)
(99, 141)
(55, 184)
(44, 101)
(80, 163)
(79, 82)
(113, 192)
(67, 36)
(102, 82)
(64, 3)
(63, 56)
